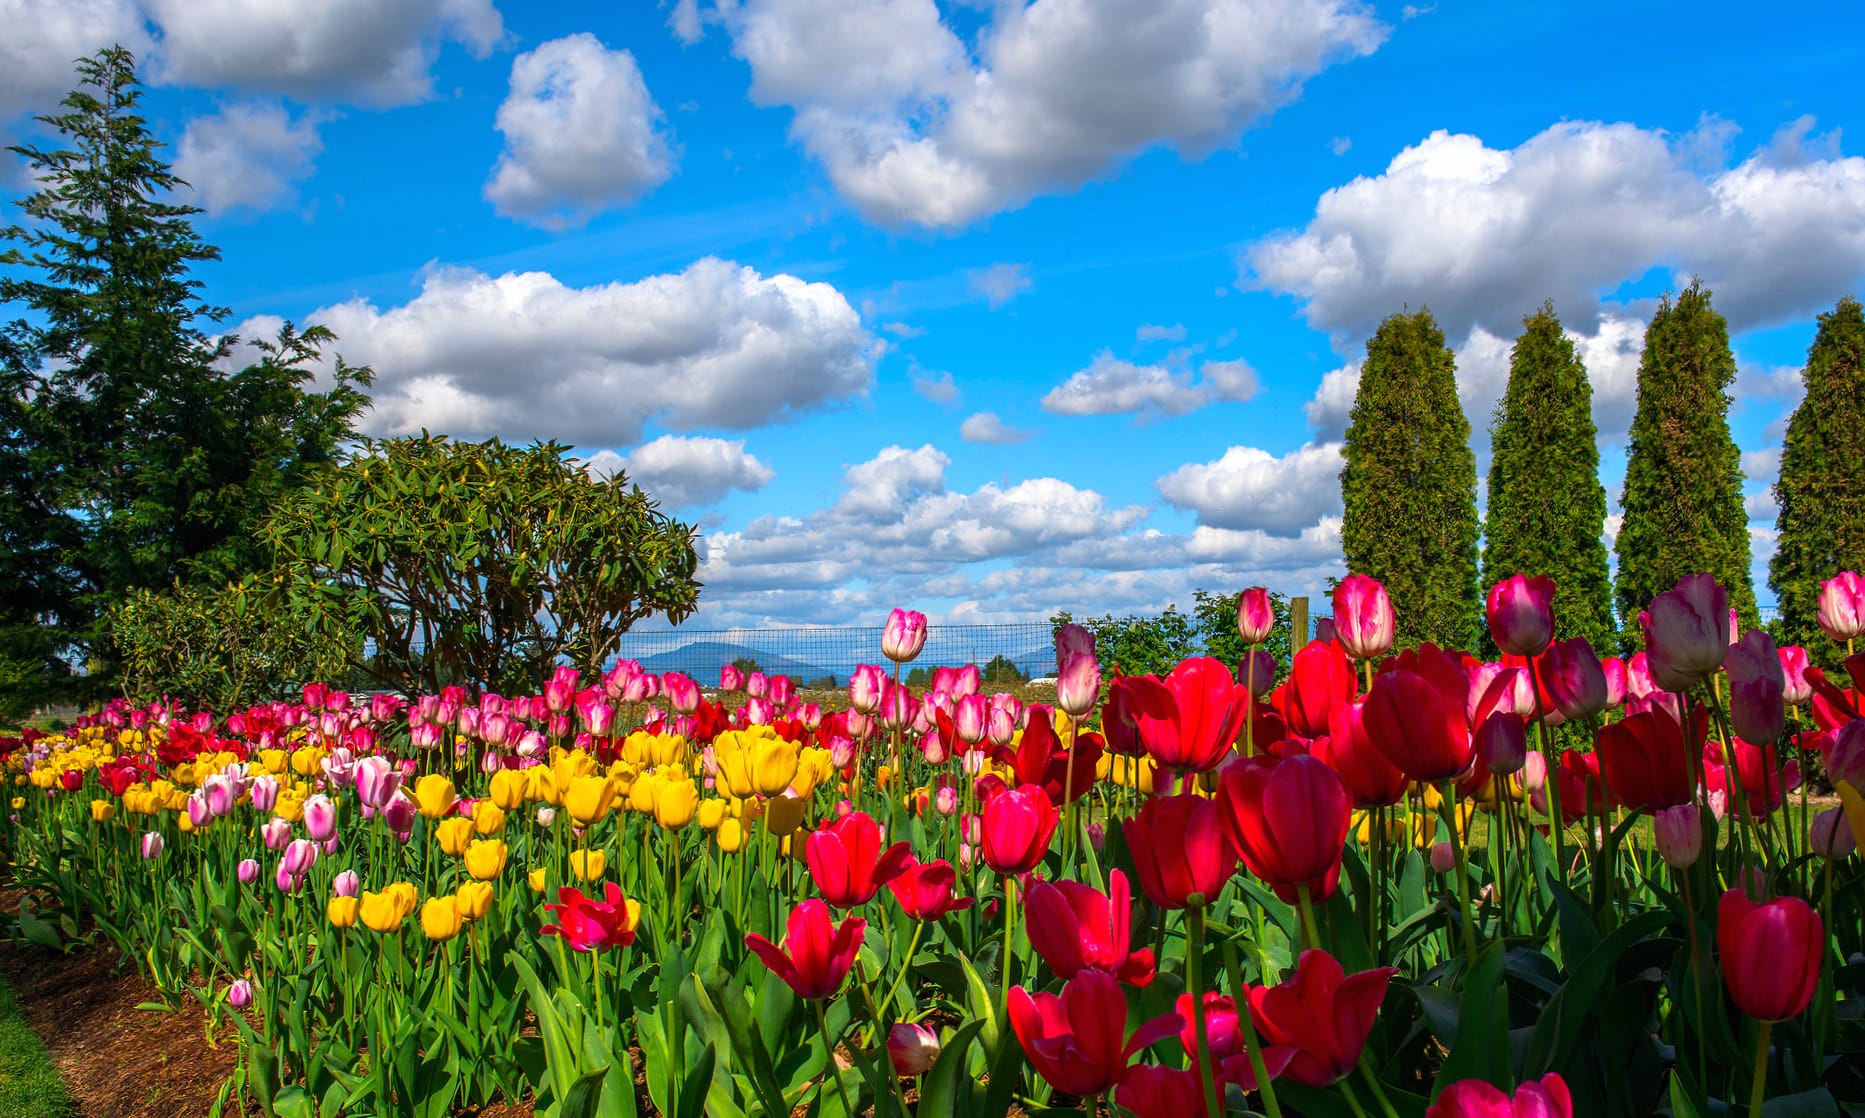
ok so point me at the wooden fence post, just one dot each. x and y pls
(1298, 625)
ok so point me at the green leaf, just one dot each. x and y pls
(946, 1089)
(1480, 1047)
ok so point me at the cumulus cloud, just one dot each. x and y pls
(41, 40)
(914, 128)
(1111, 386)
(1251, 489)
(684, 471)
(935, 385)
(1482, 235)
(985, 427)
(376, 52)
(247, 156)
(1761, 465)
(522, 355)
(581, 134)
(1000, 283)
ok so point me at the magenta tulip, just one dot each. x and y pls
(1842, 607)
(904, 635)
(1520, 611)
(1256, 615)
(1687, 632)
(1363, 620)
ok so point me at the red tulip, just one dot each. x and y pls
(1573, 681)
(1152, 1091)
(1018, 825)
(1546, 1097)
(1039, 758)
(1765, 782)
(1581, 792)
(1415, 715)
(816, 954)
(1256, 615)
(1647, 760)
(1520, 611)
(1196, 731)
(1288, 820)
(1075, 927)
(1322, 1013)
(924, 890)
(1614, 670)
(1771, 954)
(587, 924)
(71, 780)
(1320, 678)
(1127, 698)
(1180, 851)
(1842, 607)
(846, 859)
(1363, 621)
(1373, 780)
(1076, 1040)
(1757, 688)
(1230, 1056)
(1687, 632)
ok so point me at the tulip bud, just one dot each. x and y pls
(1830, 836)
(346, 884)
(1078, 684)
(248, 871)
(300, 856)
(151, 846)
(320, 817)
(1363, 620)
(866, 688)
(945, 801)
(1097, 835)
(1678, 832)
(1757, 687)
(240, 994)
(731, 678)
(1797, 690)
(912, 1048)
(1256, 615)
(1001, 726)
(904, 635)
(1443, 858)
(546, 816)
(1534, 772)
(1842, 607)
(276, 832)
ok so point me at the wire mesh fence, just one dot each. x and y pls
(826, 656)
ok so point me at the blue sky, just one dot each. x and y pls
(990, 308)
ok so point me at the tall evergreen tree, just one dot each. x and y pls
(1547, 508)
(1821, 491)
(1683, 473)
(132, 457)
(1409, 485)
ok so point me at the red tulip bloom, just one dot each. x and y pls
(925, 890)
(1076, 1040)
(1320, 678)
(71, 780)
(1582, 794)
(1152, 1091)
(1322, 1013)
(1573, 682)
(1040, 758)
(1017, 827)
(1288, 820)
(1415, 715)
(846, 859)
(1230, 1055)
(1765, 781)
(1546, 1097)
(587, 924)
(816, 954)
(1373, 780)
(1771, 954)
(1180, 850)
(1195, 731)
(1520, 611)
(1647, 760)
(1075, 927)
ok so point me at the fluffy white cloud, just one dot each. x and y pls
(913, 128)
(42, 38)
(367, 51)
(1482, 236)
(1111, 386)
(1154, 333)
(1761, 465)
(1251, 489)
(1000, 283)
(247, 156)
(985, 427)
(524, 356)
(581, 134)
(878, 488)
(935, 385)
(684, 471)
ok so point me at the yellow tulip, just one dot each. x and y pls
(103, 811)
(731, 836)
(541, 786)
(19, 802)
(488, 819)
(676, 804)
(485, 859)
(784, 814)
(184, 774)
(343, 911)
(381, 913)
(588, 798)
(186, 823)
(643, 748)
(535, 879)
(565, 767)
(440, 918)
(273, 760)
(289, 806)
(642, 793)
(435, 796)
(1855, 810)
(404, 896)
(307, 761)
(773, 765)
(453, 834)
(588, 865)
(1433, 798)
(1394, 828)
(711, 813)
(474, 899)
(508, 789)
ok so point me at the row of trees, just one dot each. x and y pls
(1409, 484)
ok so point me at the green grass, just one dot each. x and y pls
(30, 1086)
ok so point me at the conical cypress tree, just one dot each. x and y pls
(1821, 491)
(1409, 485)
(1547, 508)
(1683, 473)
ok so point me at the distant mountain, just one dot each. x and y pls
(703, 659)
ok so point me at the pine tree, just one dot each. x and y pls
(1821, 491)
(1683, 473)
(1547, 508)
(1409, 485)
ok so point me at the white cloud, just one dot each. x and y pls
(1340, 145)
(1761, 465)
(685, 22)
(524, 356)
(368, 51)
(1000, 283)
(985, 427)
(912, 128)
(247, 156)
(1332, 406)
(42, 38)
(903, 329)
(581, 134)
(1152, 333)
(1111, 386)
(1251, 489)
(684, 471)
(937, 386)
(1761, 506)
(1482, 236)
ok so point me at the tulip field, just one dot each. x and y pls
(1368, 883)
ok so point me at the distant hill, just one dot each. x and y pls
(703, 659)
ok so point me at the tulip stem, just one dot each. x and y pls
(906, 964)
(1556, 826)
(1194, 952)
(1449, 808)
(1008, 963)
(1760, 1089)
(1311, 937)
(1379, 1092)
(1352, 1102)
(829, 1067)
(1247, 1023)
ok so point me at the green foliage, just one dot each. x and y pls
(1137, 645)
(1821, 491)
(1683, 473)
(131, 457)
(1547, 508)
(747, 664)
(1409, 486)
(1216, 618)
(30, 1087)
(219, 649)
(477, 562)
(1002, 670)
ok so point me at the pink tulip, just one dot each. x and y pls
(299, 857)
(248, 871)
(904, 635)
(320, 817)
(198, 813)
(1830, 836)
(377, 780)
(1546, 1097)
(240, 993)
(1575, 680)
(757, 684)
(780, 690)
(1797, 691)
(968, 681)
(866, 688)
(681, 691)
(264, 793)
(1520, 611)
(276, 832)
(152, 844)
(731, 678)
(1363, 620)
(1678, 833)
(1256, 615)
(1842, 607)
(346, 884)
(1757, 688)
(1078, 684)
(912, 1048)
(399, 814)
(1687, 632)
